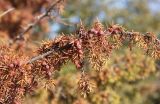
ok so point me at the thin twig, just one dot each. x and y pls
(40, 56)
(47, 53)
(39, 18)
(6, 12)
(61, 21)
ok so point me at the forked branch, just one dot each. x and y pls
(38, 19)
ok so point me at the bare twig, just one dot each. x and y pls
(61, 21)
(47, 53)
(6, 12)
(38, 19)
(40, 56)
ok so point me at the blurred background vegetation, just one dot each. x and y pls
(129, 77)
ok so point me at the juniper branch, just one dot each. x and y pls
(47, 53)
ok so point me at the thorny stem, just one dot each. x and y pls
(39, 18)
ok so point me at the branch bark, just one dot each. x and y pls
(6, 12)
(40, 57)
(39, 18)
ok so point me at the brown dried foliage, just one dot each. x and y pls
(65, 48)
(18, 75)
